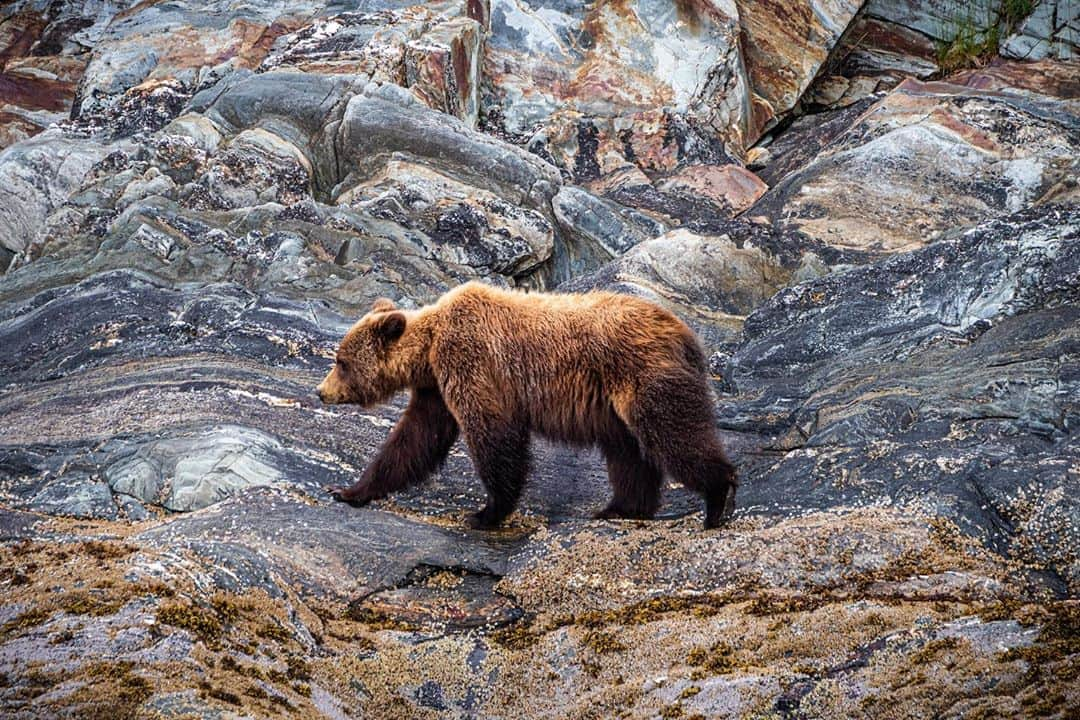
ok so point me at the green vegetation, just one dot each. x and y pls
(716, 660)
(975, 40)
(1012, 12)
(202, 623)
(603, 642)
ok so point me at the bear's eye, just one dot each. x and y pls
(343, 366)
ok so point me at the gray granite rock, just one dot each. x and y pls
(931, 157)
(1052, 30)
(603, 227)
(38, 175)
(191, 473)
(963, 357)
(891, 328)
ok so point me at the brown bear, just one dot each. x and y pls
(497, 365)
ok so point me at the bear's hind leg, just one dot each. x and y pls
(635, 480)
(673, 421)
(501, 456)
(719, 496)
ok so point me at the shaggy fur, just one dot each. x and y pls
(597, 368)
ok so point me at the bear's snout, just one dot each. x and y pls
(324, 391)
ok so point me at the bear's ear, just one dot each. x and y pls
(383, 305)
(389, 327)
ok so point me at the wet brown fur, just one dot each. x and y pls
(497, 365)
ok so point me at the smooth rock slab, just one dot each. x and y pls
(928, 158)
(388, 121)
(330, 548)
(36, 177)
(183, 474)
(944, 378)
(295, 106)
(179, 397)
(800, 143)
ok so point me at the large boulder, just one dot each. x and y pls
(785, 49)
(594, 82)
(38, 175)
(651, 104)
(712, 281)
(944, 378)
(932, 156)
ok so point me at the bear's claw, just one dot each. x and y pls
(717, 514)
(482, 520)
(342, 494)
(617, 513)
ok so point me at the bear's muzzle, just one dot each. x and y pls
(325, 394)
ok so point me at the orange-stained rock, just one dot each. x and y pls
(442, 68)
(784, 45)
(935, 157)
(729, 186)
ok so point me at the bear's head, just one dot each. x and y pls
(370, 365)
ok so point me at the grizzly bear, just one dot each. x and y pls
(497, 365)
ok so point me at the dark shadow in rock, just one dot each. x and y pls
(797, 146)
(268, 538)
(440, 598)
(18, 525)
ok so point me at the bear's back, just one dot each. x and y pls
(552, 334)
(566, 364)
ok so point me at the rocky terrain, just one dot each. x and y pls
(868, 211)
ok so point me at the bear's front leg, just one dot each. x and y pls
(416, 447)
(500, 452)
